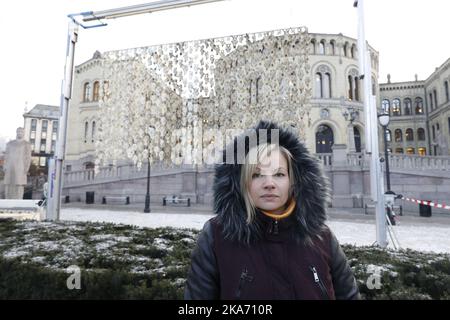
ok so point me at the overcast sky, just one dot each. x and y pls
(411, 37)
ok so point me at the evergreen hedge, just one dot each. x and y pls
(126, 262)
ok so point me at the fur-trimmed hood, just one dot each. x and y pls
(310, 191)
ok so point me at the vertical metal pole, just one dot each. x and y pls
(386, 156)
(376, 176)
(66, 94)
(147, 195)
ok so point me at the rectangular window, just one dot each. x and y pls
(42, 161)
(53, 146)
(43, 143)
(32, 134)
(32, 142)
(69, 167)
(33, 124)
(55, 127)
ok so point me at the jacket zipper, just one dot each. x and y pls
(274, 227)
(245, 277)
(318, 281)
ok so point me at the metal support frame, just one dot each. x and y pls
(53, 209)
(371, 121)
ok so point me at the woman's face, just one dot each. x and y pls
(269, 186)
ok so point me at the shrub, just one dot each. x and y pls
(126, 262)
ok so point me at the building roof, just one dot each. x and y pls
(43, 111)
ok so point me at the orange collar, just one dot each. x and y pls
(285, 214)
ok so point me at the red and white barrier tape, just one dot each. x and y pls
(428, 203)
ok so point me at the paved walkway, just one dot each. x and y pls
(337, 214)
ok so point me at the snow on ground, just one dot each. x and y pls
(422, 238)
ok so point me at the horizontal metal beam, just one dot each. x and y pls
(141, 8)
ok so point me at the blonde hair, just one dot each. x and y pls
(258, 153)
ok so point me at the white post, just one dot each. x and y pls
(66, 94)
(371, 122)
(50, 213)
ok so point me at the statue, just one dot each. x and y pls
(17, 163)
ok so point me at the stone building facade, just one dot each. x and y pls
(420, 114)
(41, 130)
(334, 132)
(336, 115)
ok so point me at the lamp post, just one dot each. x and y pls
(383, 118)
(147, 195)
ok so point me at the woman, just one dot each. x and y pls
(269, 239)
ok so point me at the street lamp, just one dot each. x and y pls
(151, 130)
(383, 118)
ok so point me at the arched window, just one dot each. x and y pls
(353, 51)
(326, 85)
(419, 105)
(324, 139)
(396, 111)
(96, 91)
(357, 89)
(350, 87)
(93, 131)
(313, 46)
(398, 135)
(346, 49)
(353, 85)
(87, 92)
(385, 106)
(318, 91)
(447, 94)
(357, 136)
(421, 134)
(322, 47)
(409, 134)
(408, 108)
(422, 151)
(323, 82)
(86, 129)
(332, 47)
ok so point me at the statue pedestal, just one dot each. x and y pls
(14, 191)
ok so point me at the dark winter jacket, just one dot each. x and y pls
(303, 260)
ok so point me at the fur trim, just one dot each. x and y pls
(311, 192)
